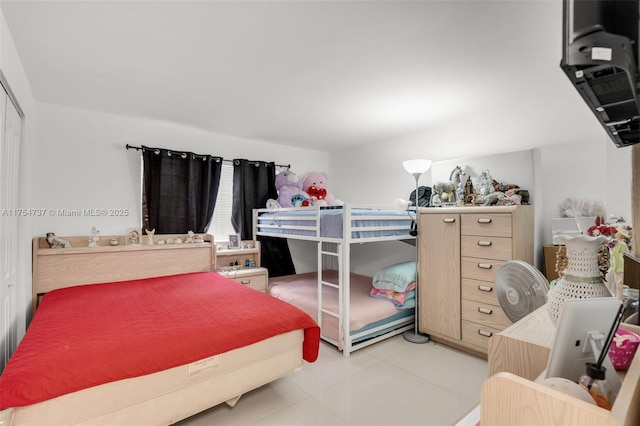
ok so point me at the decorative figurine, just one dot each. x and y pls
(56, 242)
(93, 239)
(190, 236)
(133, 237)
(150, 236)
(442, 192)
(485, 183)
(469, 192)
(617, 260)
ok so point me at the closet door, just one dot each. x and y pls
(11, 125)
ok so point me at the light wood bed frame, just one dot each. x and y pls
(167, 396)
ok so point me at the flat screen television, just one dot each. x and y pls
(600, 57)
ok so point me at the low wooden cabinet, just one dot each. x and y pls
(243, 265)
(255, 278)
(518, 355)
(461, 250)
(249, 252)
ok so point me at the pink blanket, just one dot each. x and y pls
(301, 291)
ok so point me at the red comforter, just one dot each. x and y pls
(90, 335)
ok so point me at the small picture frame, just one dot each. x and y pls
(234, 241)
(133, 237)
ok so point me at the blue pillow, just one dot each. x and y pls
(395, 277)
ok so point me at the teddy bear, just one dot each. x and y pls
(315, 184)
(290, 192)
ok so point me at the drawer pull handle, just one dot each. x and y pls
(449, 219)
(485, 265)
(484, 220)
(245, 282)
(485, 333)
(485, 243)
(485, 311)
(485, 288)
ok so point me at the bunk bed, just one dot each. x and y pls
(334, 295)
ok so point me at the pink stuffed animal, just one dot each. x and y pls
(290, 193)
(315, 184)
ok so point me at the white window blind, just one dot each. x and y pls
(221, 226)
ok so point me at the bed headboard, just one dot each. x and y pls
(55, 268)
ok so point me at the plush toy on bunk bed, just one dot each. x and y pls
(315, 184)
(290, 193)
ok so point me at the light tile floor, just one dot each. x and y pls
(392, 382)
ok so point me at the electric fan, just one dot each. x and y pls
(520, 288)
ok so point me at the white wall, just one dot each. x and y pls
(14, 72)
(591, 168)
(82, 163)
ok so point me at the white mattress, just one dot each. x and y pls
(386, 222)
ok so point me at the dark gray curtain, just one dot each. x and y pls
(253, 185)
(179, 190)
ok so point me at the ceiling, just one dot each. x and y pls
(314, 74)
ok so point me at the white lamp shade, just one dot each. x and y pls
(416, 166)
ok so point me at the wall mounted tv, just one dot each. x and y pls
(600, 57)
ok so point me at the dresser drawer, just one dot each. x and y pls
(485, 314)
(480, 291)
(486, 224)
(487, 247)
(256, 282)
(255, 278)
(480, 269)
(478, 335)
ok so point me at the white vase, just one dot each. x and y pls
(581, 278)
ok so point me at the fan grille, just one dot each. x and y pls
(520, 288)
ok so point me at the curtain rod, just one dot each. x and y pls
(282, 166)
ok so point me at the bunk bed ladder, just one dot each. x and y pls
(330, 250)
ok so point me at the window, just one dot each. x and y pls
(221, 225)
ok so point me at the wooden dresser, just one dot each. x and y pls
(461, 249)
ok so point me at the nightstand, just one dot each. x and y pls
(238, 257)
(242, 265)
(255, 278)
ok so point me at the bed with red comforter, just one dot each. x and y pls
(98, 336)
